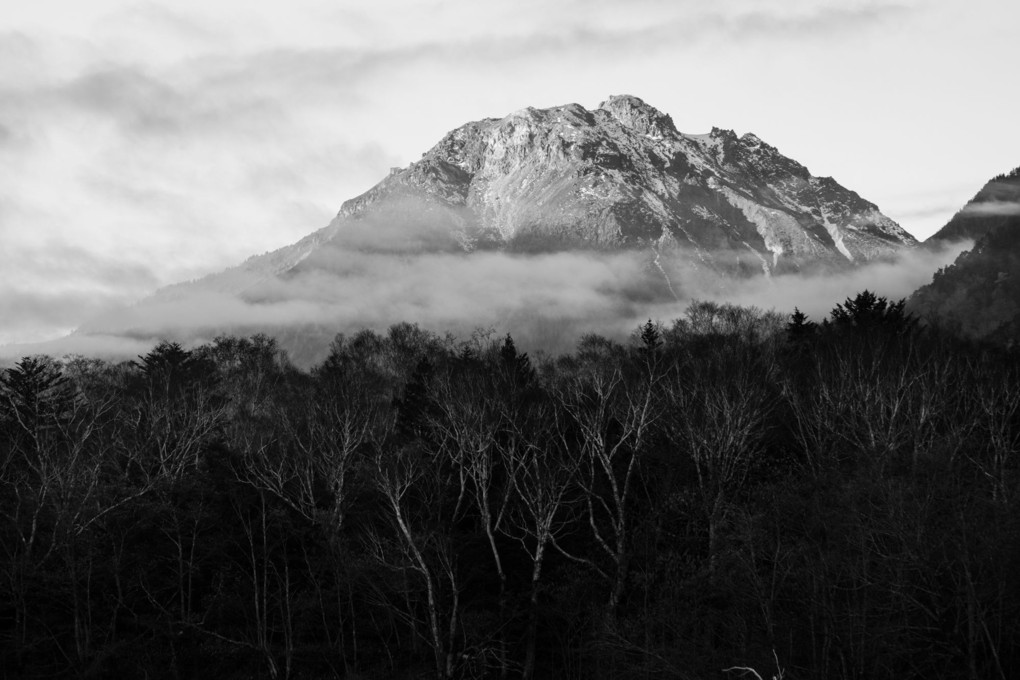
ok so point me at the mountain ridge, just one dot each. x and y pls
(623, 175)
(620, 176)
(978, 295)
(993, 205)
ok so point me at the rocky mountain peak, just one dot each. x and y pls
(632, 112)
(622, 176)
(616, 177)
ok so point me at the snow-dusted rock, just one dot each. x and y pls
(617, 177)
(622, 176)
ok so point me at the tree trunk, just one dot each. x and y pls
(532, 636)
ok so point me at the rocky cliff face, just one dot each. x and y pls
(617, 177)
(622, 176)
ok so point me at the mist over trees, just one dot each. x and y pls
(733, 490)
(979, 294)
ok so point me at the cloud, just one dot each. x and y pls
(400, 263)
(573, 292)
(469, 36)
(506, 30)
(546, 301)
(816, 294)
(113, 348)
(943, 211)
(157, 94)
(992, 208)
(27, 315)
(51, 287)
(125, 164)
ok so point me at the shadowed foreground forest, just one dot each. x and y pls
(732, 491)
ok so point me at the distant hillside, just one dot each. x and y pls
(979, 294)
(996, 205)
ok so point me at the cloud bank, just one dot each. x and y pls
(546, 301)
(992, 208)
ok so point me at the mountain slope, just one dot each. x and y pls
(996, 204)
(617, 177)
(979, 294)
(622, 175)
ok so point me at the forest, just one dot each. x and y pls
(732, 494)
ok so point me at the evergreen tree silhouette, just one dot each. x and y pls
(868, 312)
(651, 337)
(799, 328)
(34, 391)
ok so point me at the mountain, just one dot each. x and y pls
(618, 177)
(623, 176)
(979, 294)
(543, 218)
(997, 204)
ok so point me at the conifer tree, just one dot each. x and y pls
(799, 327)
(33, 391)
(651, 337)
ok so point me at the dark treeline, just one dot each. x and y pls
(729, 492)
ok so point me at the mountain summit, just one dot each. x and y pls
(622, 176)
(617, 177)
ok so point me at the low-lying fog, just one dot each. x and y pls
(546, 301)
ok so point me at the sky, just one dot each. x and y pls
(147, 143)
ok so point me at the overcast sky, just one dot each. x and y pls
(144, 143)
